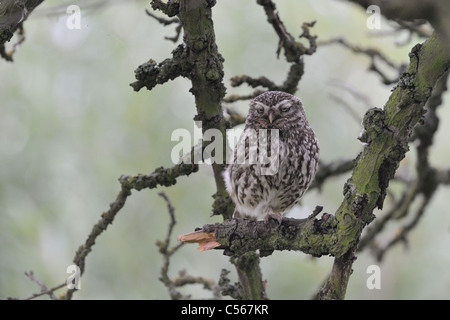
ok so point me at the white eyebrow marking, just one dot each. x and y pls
(261, 104)
(287, 101)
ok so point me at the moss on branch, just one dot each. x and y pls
(161, 176)
(386, 132)
(239, 236)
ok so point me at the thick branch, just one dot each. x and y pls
(427, 178)
(239, 236)
(386, 134)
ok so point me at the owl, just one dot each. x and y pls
(275, 158)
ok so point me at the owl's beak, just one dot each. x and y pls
(271, 116)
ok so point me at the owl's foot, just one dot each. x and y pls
(273, 216)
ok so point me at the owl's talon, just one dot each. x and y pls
(273, 216)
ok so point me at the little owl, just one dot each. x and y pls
(275, 159)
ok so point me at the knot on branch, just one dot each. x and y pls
(374, 123)
(5, 34)
(151, 73)
(209, 121)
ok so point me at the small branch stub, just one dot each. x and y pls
(205, 240)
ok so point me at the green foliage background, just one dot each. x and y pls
(70, 125)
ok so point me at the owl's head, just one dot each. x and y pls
(276, 110)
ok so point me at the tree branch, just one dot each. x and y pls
(386, 133)
(239, 236)
(150, 74)
(435, 11)
(167, 22)
(161, 176)
(183, 278)
(293, 52)
(374, 56)
(426, 182)
(13, 14)
(331, 169)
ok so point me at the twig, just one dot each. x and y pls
(183, 278)
(347, 107)
(413, 27)
(167, 22)
(358, 95)
(419, 27)
(44, 289)
(236, 81)
(235, 97)
(160, 176)
(434, 11)
(228, 289)
(163, 21)
(164, 250)
(293, 52)
(235, 118)
(397, 211)
(402, 232)
(373, 54)
(331, 169)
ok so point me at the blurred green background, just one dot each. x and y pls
(70, 125)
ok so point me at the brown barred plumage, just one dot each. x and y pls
(275, 159)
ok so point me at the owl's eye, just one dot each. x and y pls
(285, 108)
(259, 109)
(285, 105)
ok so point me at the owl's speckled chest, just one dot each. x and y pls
(298, 164)
(257, 192)
(268, 176)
